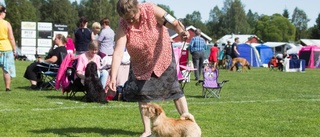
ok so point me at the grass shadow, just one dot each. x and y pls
(38, 89)
(75, 130)
(75, 98)
(194, 96)
(24, 88)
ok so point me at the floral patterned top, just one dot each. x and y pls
(149, 46)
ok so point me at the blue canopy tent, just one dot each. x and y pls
(265, 53)
(250, 54)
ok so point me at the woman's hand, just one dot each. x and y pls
(184, 35)
(112, 85)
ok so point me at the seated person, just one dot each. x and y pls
(273, 61)
(280, 63)
(122, 75)
(88, 56)
(54, 56)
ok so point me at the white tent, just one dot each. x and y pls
(294, 49)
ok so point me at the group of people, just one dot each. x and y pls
(152, 75)
(88, 44)
(197, 49)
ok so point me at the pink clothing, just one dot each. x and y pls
(70, 45)
(83, 61)
(149, 45)
(61, 79)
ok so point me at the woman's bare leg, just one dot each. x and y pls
(7, 79)
(145, 121)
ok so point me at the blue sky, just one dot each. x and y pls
(266, 7)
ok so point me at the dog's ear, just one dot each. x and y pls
(158, 110)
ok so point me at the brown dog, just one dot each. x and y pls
(244, 63)
(162, 126)
(222, 64)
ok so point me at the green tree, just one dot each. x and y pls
(233, 19)
(18, 11)
(300, 21)
(213, 22)
(59, 12)
(275, 28)
(238, 20)
(252, 18)
(285, 13)
(38, 4)
(195, 20)
(315, 30)
(96, 10)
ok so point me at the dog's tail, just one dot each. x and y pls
(187, 116)
(249, 66)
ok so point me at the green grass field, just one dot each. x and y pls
(260, 103)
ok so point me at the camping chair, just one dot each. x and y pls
(49, 73)
(210, 85)
(75, 84)
(182, 77)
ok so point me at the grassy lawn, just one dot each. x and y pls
(260, 103)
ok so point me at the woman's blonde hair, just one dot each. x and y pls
(96, 25)
(93, 45)
(127, 6)
(62, 38)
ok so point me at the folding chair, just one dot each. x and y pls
(49, 73)
(182, 77)
(210, 85)
(75, 84)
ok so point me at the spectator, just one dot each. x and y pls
(7, 49)
(54, 56)
(213, 57)
(197, 47)
(143, 30)
(234, 51)
(227, 50)
(70, 45)
(106, 39)
(82, 36)
(88, 56)
(284, 55)
(96, 27)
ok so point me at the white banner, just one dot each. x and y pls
(64, 33)
(28, 33)
(28, 50)
(43, 50)
(44, 26)
(28, 25)
(28, 42)
(44, 42)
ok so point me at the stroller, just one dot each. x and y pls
(210, 85)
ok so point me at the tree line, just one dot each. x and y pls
(229, 19)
